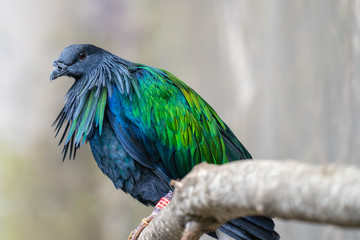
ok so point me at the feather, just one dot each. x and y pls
(99, 115)
(85, 117)
(71, 131)
(145, 127)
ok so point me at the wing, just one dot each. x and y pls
(168, 126)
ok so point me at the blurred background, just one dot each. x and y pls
(284, 75)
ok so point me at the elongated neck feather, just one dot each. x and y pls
(86, 100)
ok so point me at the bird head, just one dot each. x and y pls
(77, 60)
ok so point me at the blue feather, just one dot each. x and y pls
(145, 127)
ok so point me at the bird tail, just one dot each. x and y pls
(249, 228)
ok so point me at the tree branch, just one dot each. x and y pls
(211, 195)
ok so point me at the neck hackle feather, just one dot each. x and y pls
(86, 101)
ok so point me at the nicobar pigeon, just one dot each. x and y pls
(145, 127)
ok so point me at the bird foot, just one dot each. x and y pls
(164, 201)
(144, 222)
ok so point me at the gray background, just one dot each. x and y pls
(284, 75)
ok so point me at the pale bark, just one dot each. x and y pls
(211, 195)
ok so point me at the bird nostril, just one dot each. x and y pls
(59, 65)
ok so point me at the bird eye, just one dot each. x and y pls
(82, 55)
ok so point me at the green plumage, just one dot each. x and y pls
(92, 110)
(173, 115)
(182, 127)
(145, 127)
(99, 115)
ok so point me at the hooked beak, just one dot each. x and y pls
(60, 70)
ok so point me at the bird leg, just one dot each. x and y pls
(144, 222)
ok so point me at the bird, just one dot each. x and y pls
(145, 127)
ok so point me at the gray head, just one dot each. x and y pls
(77, 60)
(92, 67)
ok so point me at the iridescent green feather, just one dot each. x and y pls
(175, 116)
(85, 115)
(100, 109)
(72, 130)
(91, 115)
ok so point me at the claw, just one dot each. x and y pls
(144, 222)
